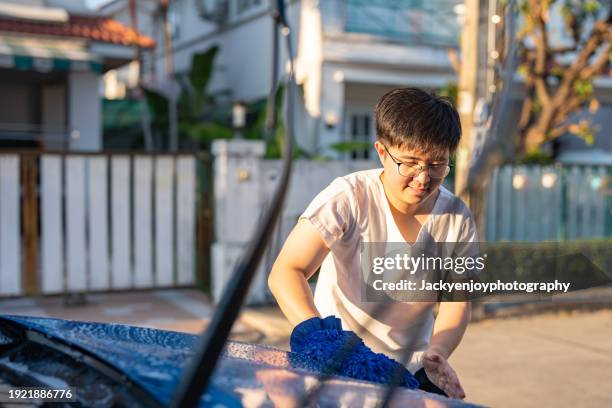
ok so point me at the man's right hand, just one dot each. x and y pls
(327, 348)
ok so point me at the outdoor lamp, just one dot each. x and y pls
(238, 118)
(519, 181)
(548, 180)
(596, 183)
(331, 120)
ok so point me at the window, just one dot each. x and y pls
(360, 130)
(431, 22)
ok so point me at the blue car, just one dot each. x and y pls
(113, 365)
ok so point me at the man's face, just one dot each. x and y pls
(415, 184)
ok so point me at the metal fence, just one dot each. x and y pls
(546, 203)
(73, 223)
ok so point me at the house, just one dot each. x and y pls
(53, 54)
(348, 54)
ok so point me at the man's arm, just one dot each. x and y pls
(450, 325)
(301, 255)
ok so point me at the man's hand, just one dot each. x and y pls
(323, 346)
(442, 374)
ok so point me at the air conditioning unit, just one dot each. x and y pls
(216, 11)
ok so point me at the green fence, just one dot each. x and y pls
(548, 203)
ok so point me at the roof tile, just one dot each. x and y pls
(95, 28)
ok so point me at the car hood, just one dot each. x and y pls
(247, 375)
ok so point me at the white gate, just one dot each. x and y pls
(107, 222)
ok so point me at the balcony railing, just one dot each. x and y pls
(427, 22)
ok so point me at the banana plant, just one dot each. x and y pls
(194, 104)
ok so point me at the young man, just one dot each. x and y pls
(403, 202)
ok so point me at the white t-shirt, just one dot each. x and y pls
(354, 210)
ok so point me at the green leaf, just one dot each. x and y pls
(158, 106)
(536, 106)
(566, 11)
(451, 91)
(191, 105)
(255, 119)
(583, 88)
(557, 71)
(351, 146)
(536, 157)
(202, 68)
(158, 103)
(524, 7)
(591, 7)
(206, 131)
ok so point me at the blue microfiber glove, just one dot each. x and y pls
(328, 348)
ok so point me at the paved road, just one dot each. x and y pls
(558, 360)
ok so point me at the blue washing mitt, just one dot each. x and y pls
(328, 348)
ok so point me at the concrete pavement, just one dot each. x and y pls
(551, 360)
(184, 310)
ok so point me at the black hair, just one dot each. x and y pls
(411, 118)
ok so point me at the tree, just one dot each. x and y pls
(558, 82)
(559, 79)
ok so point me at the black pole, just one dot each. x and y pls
(278, 19)
(271, 118)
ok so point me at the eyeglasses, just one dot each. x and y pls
(413, 169)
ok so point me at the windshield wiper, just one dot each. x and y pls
(197, 373)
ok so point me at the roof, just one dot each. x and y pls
(33, 12)
(46, 54)
(101, 29)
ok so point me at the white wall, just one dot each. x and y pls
(84, 111)
(244, 186)
(243, 63)
(73, 6)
